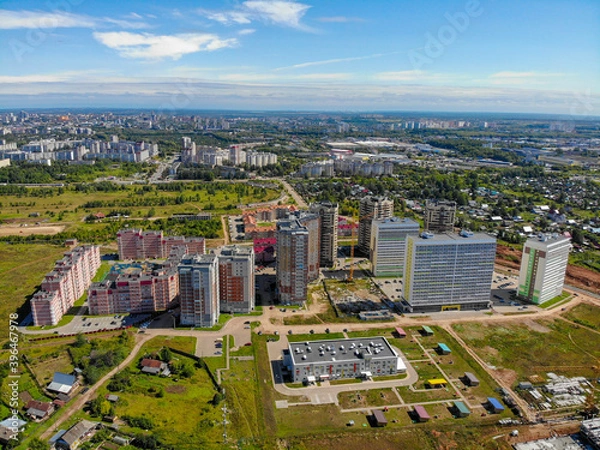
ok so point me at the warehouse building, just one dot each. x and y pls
(341, 358)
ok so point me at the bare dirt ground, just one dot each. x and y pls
(576, 276)
(29, 230)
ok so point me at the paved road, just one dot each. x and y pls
(327, 394)
(299, 200)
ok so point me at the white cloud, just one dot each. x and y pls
(520, 78)
(246, 31)
(11, 20)
(331, 61)
(405, 75)
(325, 76)
(125, 23)
(278, 12)
(149, 46)
(159, 93)
(72, 75)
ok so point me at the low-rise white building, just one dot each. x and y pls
(342, 358)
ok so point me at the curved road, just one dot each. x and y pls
(241, 332)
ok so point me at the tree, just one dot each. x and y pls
(577, 236)
(80, 340)
(38, 444)
(165, 355)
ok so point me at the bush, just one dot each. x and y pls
(140, 422)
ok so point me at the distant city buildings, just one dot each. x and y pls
(440, 216)
(388, 243)
(62, 287)
(543, 267)
(292, 261)
(216, 156)
(371, 208)
(328, 234)
(448, 271)
(48, 150)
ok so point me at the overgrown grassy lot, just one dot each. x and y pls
(22, 269)
(535, 347)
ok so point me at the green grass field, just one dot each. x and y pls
(537, 348)
(22, 269)
(585, 314)
(72, 206)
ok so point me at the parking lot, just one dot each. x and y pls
(85, 324)
(236, 228)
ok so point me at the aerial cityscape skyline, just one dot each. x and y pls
(300, 224)
(471, 55)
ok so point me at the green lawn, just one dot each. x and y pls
(22, 269)
(555, 301)
(102, 272)
(314, 337)
(185, 344)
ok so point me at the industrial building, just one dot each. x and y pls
(341, 358)
(371, 208)
(199, 290)
(388, 243)
(543, 267)
(448, 271)
(292, 261)
(440, 216)
(328, 231)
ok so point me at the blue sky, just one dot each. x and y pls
(468, 55)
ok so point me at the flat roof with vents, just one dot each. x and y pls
(341, 350)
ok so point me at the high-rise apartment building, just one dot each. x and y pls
(62, 287)
(199, 290)
(236, 279)
(388, 243)
(543, 267)
(292, 261)
(371, 208)
(448, 271)
(312, 223)
(328, 212)
(440, 216)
